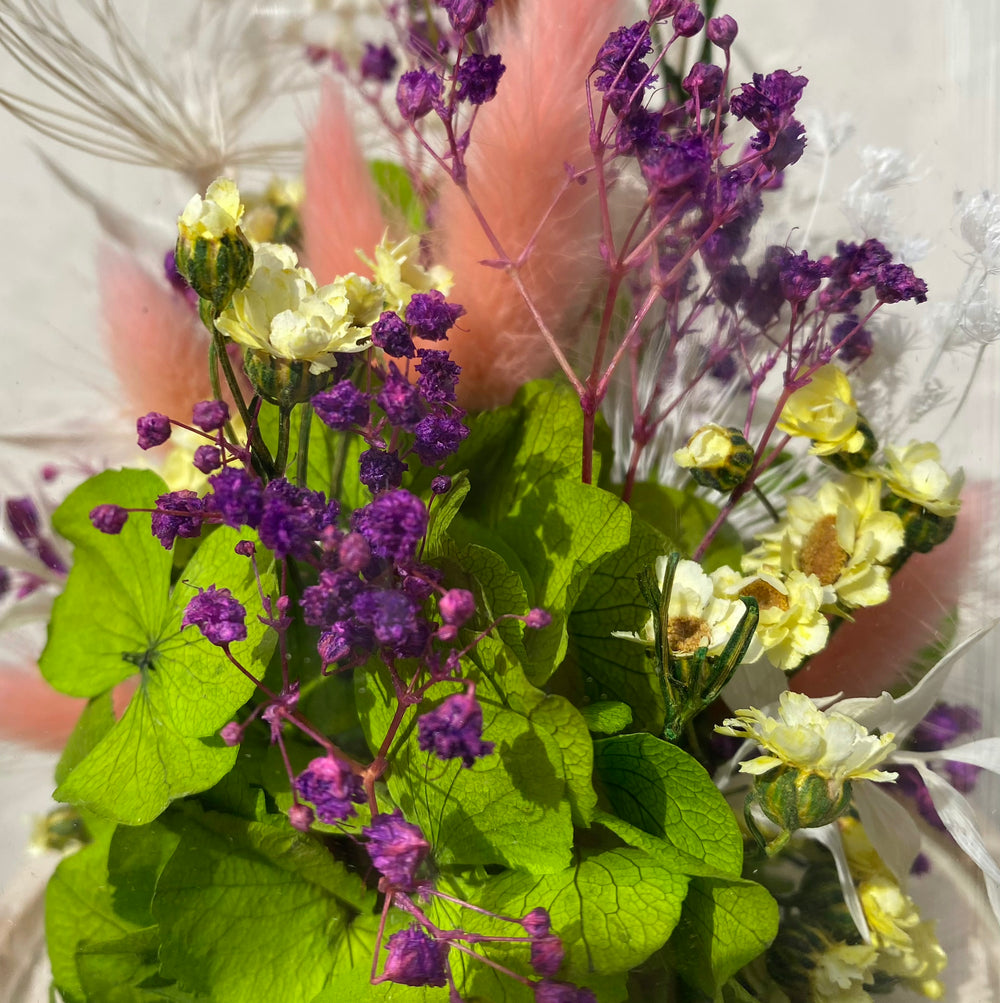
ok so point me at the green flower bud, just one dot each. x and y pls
(212, 252)
(284, 382)
(716, 457)
(800, 799)
(848, 463)
(922, 529)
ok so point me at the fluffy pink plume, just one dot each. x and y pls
(521, 142)
(872, 654)
(341, 213)
(157, 345)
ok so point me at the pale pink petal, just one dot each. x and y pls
(340, 213)
(520, 143)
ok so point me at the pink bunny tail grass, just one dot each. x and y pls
(157, 344)
(35, 715)
(521, 144)
(340, 213)
(873, 653)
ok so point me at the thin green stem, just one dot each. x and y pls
(284, 434)
(302, 460)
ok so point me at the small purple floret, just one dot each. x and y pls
(466, 15)
(477, 78)
(237, 497)
(301, 817)
(415, 959)
(722, 31)
(342, 407)
(210, 416)
(109, 518)
(431, 316)
(331, 785)
(377, 63)
(537, 619)
(220, 617)
(207, 459)
(438, 376)
(562, 992)
(393, 524)
(392, 335)
(437, 437)
(417, 92)
(153, 429)
(441, 485)
(454, 730)
(178, 513)
(379, 470)
(231, 734)
(397, 849)
(689, 20)
(547, 954)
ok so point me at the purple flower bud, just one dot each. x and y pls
(331, 785)
(397, 849)
(301, 817)
(438, 436)
(335, 644)
(417, 92)
(562, 992)
(231, 734)
(207, 459)
(210, 416)
(703, 82)
(400, 400)
(379, 471)
(537, 619)
(456, 606)
(109, 518)
(466, 15)
(441, 485)
(455, 730)
(547, 954)
(245, 548)
(393, 336)
(377, 63)
(722, 31)
(415, 959)
(689, 20)
(438, 376)
(477, 78)
(538, 922)
(660, 10)
(178, 513)
(220, 617)
(237, 497)
(431, 316)
(800, 277)
(921, 865)
(354, 553)
(342, 407)
(153, 429)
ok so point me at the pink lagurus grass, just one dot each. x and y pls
(340, 213)
(157, 346)
(874, 652)
(523, 141)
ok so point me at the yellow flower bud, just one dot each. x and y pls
(717, 457)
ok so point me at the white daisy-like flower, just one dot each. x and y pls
(841, 536)
(841, 972)
(826, 743)
(792, 625)
(697, 617)
(915, 473)
(281, 311)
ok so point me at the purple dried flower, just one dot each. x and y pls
(377, 63)
(659, 10)
(393, 336)
(301, 817)
(722, 31)
(294, 519)
(800, 277)
(704, 82)
(619, 66)
(944, 724)
(331, 785)
(438, 376)
(393, 524)
(417, 92)
(397, 849)
(437, 437)
(562, 992)
(354, 553)
(237, 497)
(245, 548)
(769, 101)
(330, 599)
(456, 606)
(677, 166)
(896, 283)
(537, 619)
(786, 149)
(109, 518)
(379, 470)
(431, 316)
(852, 342)
(454, 730)
(231, 734)
(336, 643)
(689, 20)
(415, 959)
(547, 954)
(400, 400)
(207, 459)
(210, 416)
(477, 78)
(178, 513)
(220, 617)
(342, 406)
(441, 485)
(153, 429)
(538, 922)
(391, 615)
(466, 15)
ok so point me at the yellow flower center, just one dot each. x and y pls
(821, 554)
(767, 596)
(686, 634)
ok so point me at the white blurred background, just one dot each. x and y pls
(918, 75)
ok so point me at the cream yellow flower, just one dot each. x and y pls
(717, 457)
(216, 215)
(841, 972)
(792, 625)
(828, 744)
(396, 268)
(915, 473)
(282, 312)
(825, 411)
(841, 536)
(696, 616)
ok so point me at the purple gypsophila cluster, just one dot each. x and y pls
(220, 617)
(397, 849)
(455, 730)
(331, 785)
